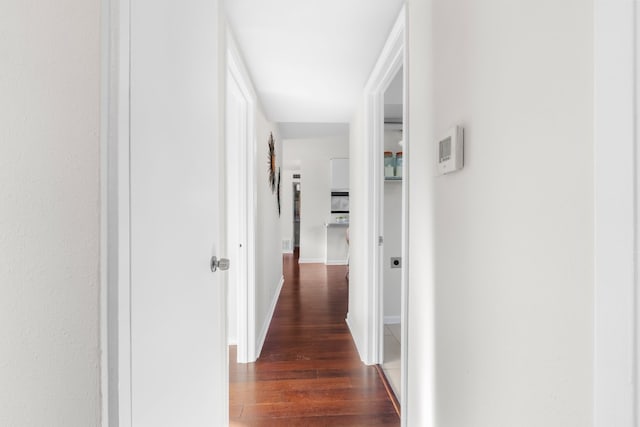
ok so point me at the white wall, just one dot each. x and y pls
(421, 328)
(312, 156)
(356, 316)
(269, 253)
(392, 236)
(511, 235)
(49, 214)
(504, 248)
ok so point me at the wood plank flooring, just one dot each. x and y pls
(309, 372)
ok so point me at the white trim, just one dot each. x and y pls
(337, 262)
(267, 321)
(311, 261)
(115, 306)
(246, 296)
(114, 217)
(615, 307)
(222, 223)
(406, 237)
(105, 100)
(390, 61)
(394, 56)
(353, 336)
(287, 252)
(392, 320)
(119, 141)
(636, 142)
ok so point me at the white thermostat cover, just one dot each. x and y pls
(450, 155)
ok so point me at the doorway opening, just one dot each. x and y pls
(296, 216)
(241, 207)
(389, 72)
(392, 227)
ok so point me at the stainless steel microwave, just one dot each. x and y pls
(339, 202)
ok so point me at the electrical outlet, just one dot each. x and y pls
(396, 262)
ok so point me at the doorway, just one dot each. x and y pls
(296, 215)
(240, 206)
(389, 70)
(392, 225)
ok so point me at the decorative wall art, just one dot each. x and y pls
(272, 163)
(278, 192)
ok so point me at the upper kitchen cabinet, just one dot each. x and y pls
(339, 174)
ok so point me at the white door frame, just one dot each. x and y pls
(391, 60)
(389, 63)
(616, 303)
(246, 292)
(115, 304)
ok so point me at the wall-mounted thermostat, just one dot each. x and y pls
(451, 151)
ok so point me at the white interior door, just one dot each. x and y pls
(178, 306)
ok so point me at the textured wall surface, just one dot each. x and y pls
(49, 213)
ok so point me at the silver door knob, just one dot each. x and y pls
(219, 264)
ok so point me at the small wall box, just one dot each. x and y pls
(451, 151)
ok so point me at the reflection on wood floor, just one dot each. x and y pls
(309, 372)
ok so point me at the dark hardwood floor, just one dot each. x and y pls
(309, 372)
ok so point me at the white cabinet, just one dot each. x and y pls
(339, 174)
(337, 247)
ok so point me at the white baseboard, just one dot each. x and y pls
(287, 251)
(311, 261)
(337, 262)
(267, 320)
(353, 337)
(392, 320)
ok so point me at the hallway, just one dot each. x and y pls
(309, 372)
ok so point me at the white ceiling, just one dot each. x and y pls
(309, 59)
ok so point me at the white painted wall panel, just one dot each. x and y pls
(356, 317)
(49, 213)
(339, 174)
(511, 247)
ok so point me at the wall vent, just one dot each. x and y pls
(296, 176)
